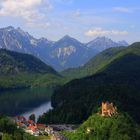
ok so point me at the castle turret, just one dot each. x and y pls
(108, 109)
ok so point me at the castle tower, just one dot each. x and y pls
(104, 108)
(108, 109)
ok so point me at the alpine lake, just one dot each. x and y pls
(25, 101)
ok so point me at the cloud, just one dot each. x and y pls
(24, 8)
(100, 31)
(123, 9)
(30, 10)
(77, 13)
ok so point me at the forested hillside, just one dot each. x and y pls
(117, 82)
(98, 62)
(95, 64)
(15, 63)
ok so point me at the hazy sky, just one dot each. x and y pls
(82, 19)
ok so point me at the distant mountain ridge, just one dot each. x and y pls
(62, 54)
(101, 43)
(13, 63)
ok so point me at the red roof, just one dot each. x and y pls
(39, 124)
(31, 122)
(33, 128)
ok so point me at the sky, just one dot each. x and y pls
(81, 19)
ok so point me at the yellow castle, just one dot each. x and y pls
(108, 109)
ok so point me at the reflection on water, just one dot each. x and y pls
(15, 102)
(39, 110)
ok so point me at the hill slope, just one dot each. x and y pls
(95, 64)
(98, 62)
(106, 128)
(14, 63)
(118, 82)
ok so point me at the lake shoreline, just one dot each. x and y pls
(37, 111)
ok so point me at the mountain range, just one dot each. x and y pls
(62, 54)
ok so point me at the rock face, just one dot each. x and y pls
(68, 52)
(64, 53)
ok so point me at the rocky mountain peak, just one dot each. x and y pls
(101, 43)
(68, 38)
(102, 39)
(9, 28)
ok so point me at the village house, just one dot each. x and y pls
(20, 121)
(108, 109)
(33, 130)
(29, 126)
